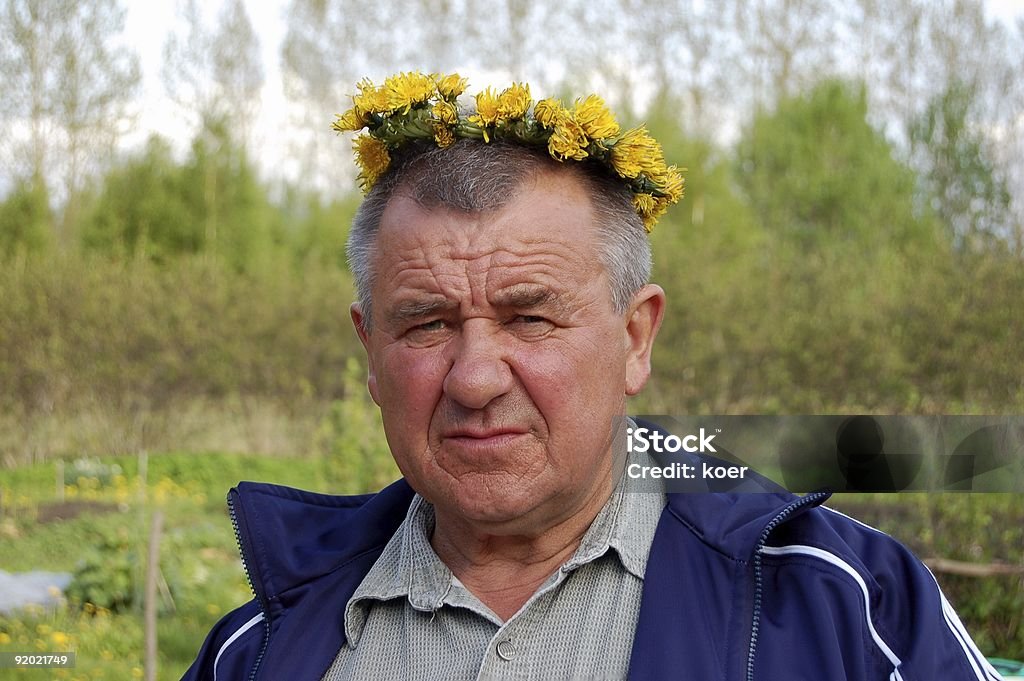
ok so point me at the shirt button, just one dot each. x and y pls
(506, 649)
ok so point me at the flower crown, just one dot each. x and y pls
(415, 106)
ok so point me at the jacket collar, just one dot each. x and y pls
(308, 552)
(289, 537)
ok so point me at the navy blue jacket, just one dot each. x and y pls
(765, 586)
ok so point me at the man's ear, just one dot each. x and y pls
(643, 319)
(359, 321)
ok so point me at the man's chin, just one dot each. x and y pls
(507, 507)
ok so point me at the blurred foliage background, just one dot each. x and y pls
(851, 242)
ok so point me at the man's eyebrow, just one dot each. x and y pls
(417, 309)
(527, 297)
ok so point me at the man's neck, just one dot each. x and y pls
(504, 571)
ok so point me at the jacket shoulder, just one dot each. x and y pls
(881, 588)
(232, 647)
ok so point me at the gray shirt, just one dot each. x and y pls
(411, 618)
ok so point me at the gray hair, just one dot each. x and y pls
(476, 177)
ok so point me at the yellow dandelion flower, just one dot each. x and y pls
(568, 141)
(650, 208)
(660, 208)
(595, 118)
(373, 159)
(371, 99)
(486, 108)
(60, 639)
(4, 639)
(514, 102)
(548, 112)
(444, 136)
(671, 184)
(643, 203)
(451, 85)
(350, 121)
(636, 152)
(404, 90)
(445, 112)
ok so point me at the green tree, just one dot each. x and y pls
(141, 209)
(229, 204)
(25, 219)
(844, 253)
(153, 207)
(815, 170)
(708, 254)
(960, 181)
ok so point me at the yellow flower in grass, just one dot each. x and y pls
(350, 121)
(445, 112)
(548, 112)
(596, 120)
(637, 152)
(371, 99)
(407, 89)
(450, 86)
(444, 136)
(568, 141)
(514, 102)
(373, 159)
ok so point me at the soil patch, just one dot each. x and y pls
(66, 510)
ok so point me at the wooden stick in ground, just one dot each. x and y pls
(152, 573)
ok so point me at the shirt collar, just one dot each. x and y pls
(407, 568)
(626, 524)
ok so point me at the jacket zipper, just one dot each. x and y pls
(252, 588)
(779, 518)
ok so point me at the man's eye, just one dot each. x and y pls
(434, 325)
(531, 326)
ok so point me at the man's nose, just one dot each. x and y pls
(479, 372)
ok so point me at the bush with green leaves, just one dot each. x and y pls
(108, 576)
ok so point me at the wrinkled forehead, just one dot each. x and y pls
(547, 222)
(537, 248)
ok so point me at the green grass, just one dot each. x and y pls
(199, 559)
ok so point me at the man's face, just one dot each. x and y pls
(496, 356)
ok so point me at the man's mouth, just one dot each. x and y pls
(484, 436)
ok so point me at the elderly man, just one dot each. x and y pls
(501, 262)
